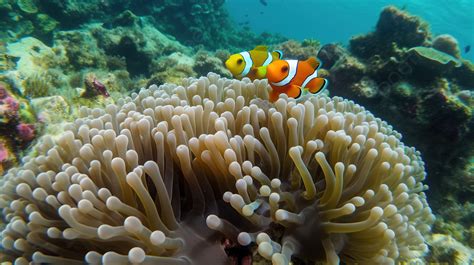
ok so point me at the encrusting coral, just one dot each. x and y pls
(170, 173)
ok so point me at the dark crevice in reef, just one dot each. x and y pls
(136, 62)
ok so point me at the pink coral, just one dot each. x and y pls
(26, 132)
(3, 153)
(8, 105)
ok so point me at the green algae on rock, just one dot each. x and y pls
(36, 85)
(46, 23)
(28, 6)
(433, 59)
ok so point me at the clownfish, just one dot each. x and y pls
(294, 77)
(252, 64)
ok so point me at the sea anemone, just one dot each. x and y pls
(170, 174)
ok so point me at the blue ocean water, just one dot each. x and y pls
(338, 20)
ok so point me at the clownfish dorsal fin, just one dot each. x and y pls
(278, 54)
(313, 62)
(261, 48)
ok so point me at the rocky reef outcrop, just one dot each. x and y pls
(193, 23)
(90, 66)
(425, 90)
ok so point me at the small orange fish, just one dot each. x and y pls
(294, 77)
(252, 64)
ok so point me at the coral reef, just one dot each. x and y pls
(329, 54)
(93, 66)
(422, 89)
(27, 6)
(204, 63)
(142, 182)
(17, 127)
(195, 23)
(395, 29)
(299, 50)
(36, 86)
(430, 61)
(447, 250)
(447, 44)
(172, 69)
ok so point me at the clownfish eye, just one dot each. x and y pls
(284, 69)
(240, 61)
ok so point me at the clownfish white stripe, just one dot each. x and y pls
(292, 69)
(309, 78)
(268, 60)
(248, 63)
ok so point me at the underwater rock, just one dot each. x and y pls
(115, 56)
(46, 23)
(101, 191)
(51, 110)
(205, 62)
(81, 49)
(139, 45)
(5, 5)
(329, 54)
(125, 19)
(299, 50)
(223, 55)
(27, 6)
(395, 29)
(465, 73)
(422, 92)
(364, 89)
(447, 44)
(455, 218)
(171, 69)
(29, 52)
(402, 28)
(195, 23)
(73, 13)
(347, 70)
(445, 249)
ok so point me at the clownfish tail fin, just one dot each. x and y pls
(278, 54)
(313, 62)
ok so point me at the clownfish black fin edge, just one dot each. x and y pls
(279, 53)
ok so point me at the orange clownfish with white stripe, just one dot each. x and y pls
(252, 64)
(294, 77)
